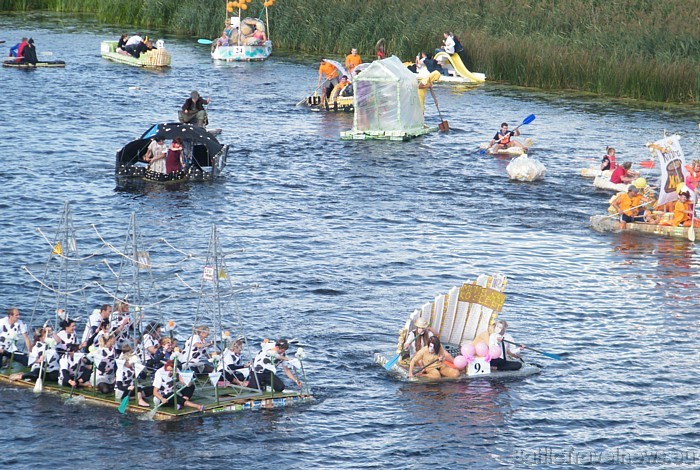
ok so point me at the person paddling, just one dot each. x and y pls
(504, 341)
(504, 139)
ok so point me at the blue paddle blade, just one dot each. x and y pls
(391, 363)
(124, 404)
(204, 41)
(551, 356)
(528, 119)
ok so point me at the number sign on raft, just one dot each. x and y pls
(479, 366)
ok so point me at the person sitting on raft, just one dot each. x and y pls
(164, 388)
(448, 44)
(66, 337)
(231, 365)
(342, 84)
(418, 338)
(40, 352)
(608, 162)
(504, 139)
(196, 354)
(125, 383)
(121, 43)
(223, 40)
(431, 358)
(263, 373)
(75, 368)
(259, 36)
(193, 110)
(623, 174)
(682, 213)
(18, 49)
(29, 53)
(629, 206)
(11, 329)
(136, 46)
(509, 349)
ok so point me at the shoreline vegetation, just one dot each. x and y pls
(638, 49)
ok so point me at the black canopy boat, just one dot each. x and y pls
(205, 157)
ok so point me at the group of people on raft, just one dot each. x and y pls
(134, 45)
(422, 346)
(113, 355)
(638, 204)
(24, 52)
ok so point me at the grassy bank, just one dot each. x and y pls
(643, 49)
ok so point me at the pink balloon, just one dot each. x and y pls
(495, 351)
(488, 358)
(470, 359)
(468, 349)
(460, 362)
(481, 349)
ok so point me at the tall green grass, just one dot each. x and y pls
(642, 49)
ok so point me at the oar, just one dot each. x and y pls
(425, 367)
(549, 355)
(125, 403)
(691, 230)
(443, 126)
(394, 360)
(204, 41)
(527, 120)
(39, 384)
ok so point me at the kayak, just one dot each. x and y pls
(508, 152)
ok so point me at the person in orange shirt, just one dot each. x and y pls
(352, 60)
(331, 74)
(628, 205)
(682, 212)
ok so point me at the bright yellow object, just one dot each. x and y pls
(58, 249)
(640, 183)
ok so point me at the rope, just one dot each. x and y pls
(61, 255)
(49, 288)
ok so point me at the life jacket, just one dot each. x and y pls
(505, 139)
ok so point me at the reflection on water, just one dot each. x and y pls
(346, 238)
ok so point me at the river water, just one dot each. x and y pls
(345, 239)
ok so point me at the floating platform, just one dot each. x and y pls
(154, 58)
(386, 135)
(603, 223)
(603, 182)
(230, 399)
(25, 65)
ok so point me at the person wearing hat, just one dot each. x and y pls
(629, 205)
(418, 337)
(263, 372)
(193, 110)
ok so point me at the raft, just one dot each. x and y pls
(507, 152)
(22, 65)
(593, 172)
(461, 316)
(603, 182)
(155, 58)
(603, 223)
(247, 48)
(402, 135)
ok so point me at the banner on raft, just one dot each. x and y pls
(672, 162)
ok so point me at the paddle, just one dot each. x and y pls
(125, 403)
(691, 230)
(443, 126)
(527, 120)
(421, 369)
(549, 355)
(152, 413)
(394, 360)
(204, 41)
(39, 384)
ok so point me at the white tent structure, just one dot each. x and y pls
(386, 103)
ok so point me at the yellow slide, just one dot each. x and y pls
(459, 67)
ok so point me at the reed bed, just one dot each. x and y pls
(641, 49)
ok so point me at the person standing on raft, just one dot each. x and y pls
(193, 110)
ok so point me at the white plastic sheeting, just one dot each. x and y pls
(386, 98)
(524, 168)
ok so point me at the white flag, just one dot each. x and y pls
(214, 378)
(672, 163)
(187, 377)
(138, 368)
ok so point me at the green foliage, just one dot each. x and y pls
(643, 49)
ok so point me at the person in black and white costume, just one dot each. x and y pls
(122, 324)
(151, 340)
(94, 323)
(163, 388)
(265, 365)
(11, 329)
(40, 352)
(75, 368)
(125, 383)
(504, 341)
(66, 338)
(105, 365)
(232, 366)
(195, 354)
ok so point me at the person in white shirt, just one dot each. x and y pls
(93, 323)
(509, 349)
(164, 387)
(11, 329)
(265, 365)
(195, 352)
